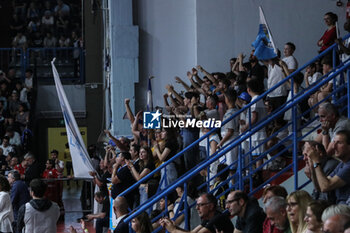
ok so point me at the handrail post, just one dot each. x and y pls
(295, 137)
(348, 90)
(239, 169)
(334, 81)
(187, 227)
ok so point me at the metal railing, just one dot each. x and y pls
(70, 60)
(241, 175)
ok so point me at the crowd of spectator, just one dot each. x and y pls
(215, 96)
(46, 24)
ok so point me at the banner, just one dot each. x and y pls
(149, 96)
(265, 48)
(80, 157)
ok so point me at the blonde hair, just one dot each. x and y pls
(303, 198)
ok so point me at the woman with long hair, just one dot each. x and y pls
(297, 203)
(146, 164)
(169, 135)
(6, 212)
(142, 224)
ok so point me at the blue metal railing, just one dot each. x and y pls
(71, 61)
(297, 98)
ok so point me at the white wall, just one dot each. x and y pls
(177, 35)
(167, 43)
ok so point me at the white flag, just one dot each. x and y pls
(80, 157)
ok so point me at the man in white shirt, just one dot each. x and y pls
(289, 59)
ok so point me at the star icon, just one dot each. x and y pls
(155, 115)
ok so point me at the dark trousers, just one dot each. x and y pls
(101, 223)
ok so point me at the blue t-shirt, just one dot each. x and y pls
(343, 172)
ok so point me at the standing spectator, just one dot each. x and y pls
(6, 212)
(38, 210)
(344, 45)
(59, 164)
(297, 203)
(19, 192)
(330, 34)
(146, 165)
(230, 130)
(122, 178)
(289, 59)
(34, 169)
(102, 218)
(257, 113)
(170, 149)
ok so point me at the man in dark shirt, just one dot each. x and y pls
(212, 220)
(122, 178)
(102, 218)
(120, 208)
(250, 216)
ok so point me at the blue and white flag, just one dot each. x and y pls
(80, 157)
(264, 46)
(149, 96)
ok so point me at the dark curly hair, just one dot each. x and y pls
(4, 184)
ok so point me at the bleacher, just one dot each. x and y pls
(244, 177)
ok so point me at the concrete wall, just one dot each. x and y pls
(167, 44)
(177, 35)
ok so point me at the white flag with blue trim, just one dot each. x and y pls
(80, 157)
(264, 46)
(149, 96)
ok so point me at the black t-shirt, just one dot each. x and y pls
(220, 222)
(253, 219)
(106, 207)
(104, 180)
(173, 147)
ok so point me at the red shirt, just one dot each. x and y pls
(328, 38)
(267, 228)
(20, 169)
(48, 175)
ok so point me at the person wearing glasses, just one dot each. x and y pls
(250, 216)
(297, 203)
(212, 219)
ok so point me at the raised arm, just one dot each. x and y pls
(129, 111)
(209, 75)
(179, 80)
(172, 91)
